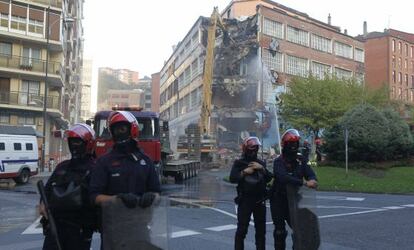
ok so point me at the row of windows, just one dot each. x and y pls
(187, 103)
(402, 94)
(302, 37)
(299, 66)
(394, 64)
(21, 23)
(21, 120)
(399, 78)
(409, 50)
(17, 146)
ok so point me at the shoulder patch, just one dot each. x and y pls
(143, 162)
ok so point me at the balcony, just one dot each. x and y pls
(26, 101)
(14, 66)
(53, 3)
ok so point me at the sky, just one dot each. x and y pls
(139, 35)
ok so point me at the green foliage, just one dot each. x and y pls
(373, 135)
(401, 140)
(312, 104)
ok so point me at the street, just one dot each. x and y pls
(201, 215)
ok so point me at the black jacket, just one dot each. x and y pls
(259, 191)
(293, 175)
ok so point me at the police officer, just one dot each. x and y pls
(68, 195)
(125, 172)
(251, 177)
(287, 170)
(306, 150)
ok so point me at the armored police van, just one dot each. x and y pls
(19, 154)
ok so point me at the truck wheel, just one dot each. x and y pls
(178, 177)
(23, 178)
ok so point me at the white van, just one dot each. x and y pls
(19, 157)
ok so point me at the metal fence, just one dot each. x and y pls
(28, 99)
(29, 64)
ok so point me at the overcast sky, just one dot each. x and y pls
(139, 35)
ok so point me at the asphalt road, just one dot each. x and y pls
(201, 215)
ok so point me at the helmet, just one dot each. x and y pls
(124, 116)
(250, 143)
(291, 135)
(83, 132)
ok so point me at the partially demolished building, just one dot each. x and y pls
(263, 46)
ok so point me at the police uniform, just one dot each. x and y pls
(250, 200)
(284, 174)
(75, 221)
(121, 171)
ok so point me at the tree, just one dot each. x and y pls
(312, 104)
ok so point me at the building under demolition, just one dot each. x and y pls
(261, 46)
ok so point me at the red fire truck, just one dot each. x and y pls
(149, 142)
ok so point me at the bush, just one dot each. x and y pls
(369, 135)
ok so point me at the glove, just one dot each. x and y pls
(146, 199)
(130, 200)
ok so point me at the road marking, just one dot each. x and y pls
(183, 233)
(34, 228)
(222, 228)
(408, 205)
(367, 208)
(354, 213)
(393, 207)
(340, 198)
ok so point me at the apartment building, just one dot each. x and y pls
(124, 75)
(271, 44)
(155, 92)
(125, 98)
(32, 65)
(389, 61)
(85, 106)
(145, 85)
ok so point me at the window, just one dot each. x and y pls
(297, 36)
(399, 63)
(35, 26)
(4, 20)
(406, 79)
(17, 146)
(321, 43)
(400, 47)
(29, 92)
(4, 118)
(194, 68)
(194, 99)
(30, 56)
(319, 70)
(26, 120)
(359, 55)
(181, 81)
(5, 49)
(296, 66)
(406, 49)
(399, 96)
(194, 39)
(29, 146)
(412, 51)
(393, 45)
(393, 61)
(343, 73)
(273, 60)
(393, 76)
(2, 146)
(273, 28)
(18, 23)
(399, 77)
(360, 77)
(405, 64)
(187, 75)
(344, 50)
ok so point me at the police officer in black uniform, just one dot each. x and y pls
(125, 172)
(68, 195)
(251, 177)
(287, 170)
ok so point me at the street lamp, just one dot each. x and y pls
(48, 31)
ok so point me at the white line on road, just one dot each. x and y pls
(393, 207)
(340, 198)
(183, 233)
(222, 228)
(34, 228)
(408, 205)
(354, 213)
